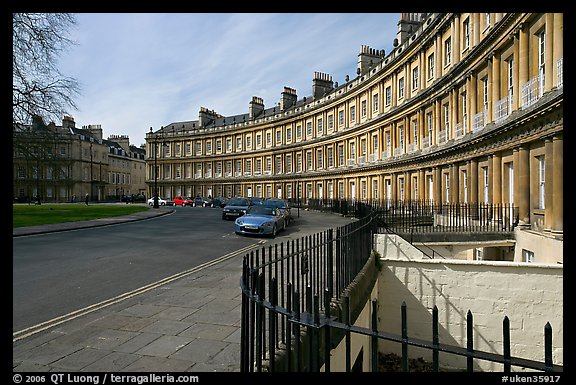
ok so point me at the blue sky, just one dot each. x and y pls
(142, 70)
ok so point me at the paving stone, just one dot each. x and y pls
(209, 331)
(137, 343)
(166, 326)
(157, 364)
(164, 346)
(108, 339)
(113, 362)
(176, 313)
(199, 351)
(143, 310)
(50, 352)
(80, 359)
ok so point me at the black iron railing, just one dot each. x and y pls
(290, 320)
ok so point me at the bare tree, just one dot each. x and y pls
(38, 87)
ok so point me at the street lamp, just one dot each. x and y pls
(156, 140)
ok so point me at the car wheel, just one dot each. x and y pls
(274, 231)
(203, 204)
(183, 204)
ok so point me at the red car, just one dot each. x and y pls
(183, 201)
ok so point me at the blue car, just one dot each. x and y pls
(260, 220)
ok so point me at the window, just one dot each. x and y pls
(268, 139)
(319, 160)
(401, 188)
(340, 155)
(527, 256)
(364, 108)
(299, 162)
(258, 140)
(431, 66)
(278, 165)
(375, 104)
(487, 18)
(268, 164)
(448, 51)
(320, 127)
(446, 119)
(401, 138)
(485, 174)
(464, 109)
(298, 131)
(541, 61)
(309, 129)
(198, 148)
(289, 134)
(258, 169)
(415, 79)
(278, 137)
(330, 157)
(466, 28)
(510, 83)
(309, 160)
(238, 143)
(352, 114)
(248, 142)
(541, 180)
(430, 127)
(401, 88)
(288, 163)
(228, 144)
(248, 166)
(485, 88)
(465, 186)
(447, 188)
(330, 122)
(340, 118)
(388, 96)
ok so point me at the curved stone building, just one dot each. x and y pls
(468, 107)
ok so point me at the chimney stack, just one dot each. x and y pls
(288, 98)
(409, 22)
(368, 57)
(256, 107)
(206, 116)
(321, 84)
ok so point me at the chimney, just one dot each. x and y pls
(409, 22)
(206, 116)
(321, 84)
(122, 140)
(288, 98)
(94, 129)
(256, 107)
(68, 122)
(367, 58)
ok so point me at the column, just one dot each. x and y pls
(495, 85)
(473, 99)
(522, 193)
(455, 184)
(437, 182)
(456, 39)
(439, 59)
(407, 187)
(489, 118)
(437, 120)
(453, 113)
(549, 183)
(497, 179)
(516, 80)
(393, 185)
(475, 29)
(558, 185)
(549, 56)
(522, 60)
(558, 43)
(421, 185)
(473, 181)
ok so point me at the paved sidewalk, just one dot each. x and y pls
(190, 323)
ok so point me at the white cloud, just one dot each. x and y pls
(146, 70)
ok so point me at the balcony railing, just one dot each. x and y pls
(530, 92)
(478, 121)
(502, 109)
(560, 67)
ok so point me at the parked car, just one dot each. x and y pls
(284, 207)
(235, 207)
(183, 201)
(218, 202)
(260, 220)
(202, 201)
(256, 200)
(161, 201)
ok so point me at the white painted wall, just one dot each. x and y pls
(530, 294)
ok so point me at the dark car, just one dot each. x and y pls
(256, 201)
(235, 207)
(202, 201)
(284, 207)
(218, 202)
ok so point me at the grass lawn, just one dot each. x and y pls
(46, 213)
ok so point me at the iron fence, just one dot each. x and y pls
(290, 317)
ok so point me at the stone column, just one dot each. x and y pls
(473, 99)
(476, 29)
(549, 55)
(454, 113)
(497, 179)
(437, 120)
(456, 38)
(516, 79)
(407, 186)
(558, 42)
(495, 85)
(522, 193)
(437, 181)
(522, 60)
(558, 185)
(421, 185)
(393, 186)
(455, 183)
(473, 181)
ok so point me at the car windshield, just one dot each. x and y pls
(279, 204)
(238, 202)
(262, 210)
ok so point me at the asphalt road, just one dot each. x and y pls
(54, 274)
